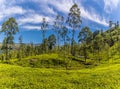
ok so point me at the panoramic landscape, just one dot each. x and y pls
(59, 44)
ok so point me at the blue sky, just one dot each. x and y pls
(29, 13)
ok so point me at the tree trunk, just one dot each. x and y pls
(72, 43)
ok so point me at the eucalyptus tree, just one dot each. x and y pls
(20, 53)
(117, 27)
(98, 45)
(31, 49)
(68, 42)
(44, 26)
(74, 21)
(63, 34)
(84, 37)
(20, 40)
(45, 43)
(111, 43)
(51, 41)
(57, 27)
(4, 47)
(9, 28)
(117, 24)
(95, 33)
(110, 24)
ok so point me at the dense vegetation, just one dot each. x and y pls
(101, 77)
(61, 61)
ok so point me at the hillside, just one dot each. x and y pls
(102, 77)
(114, 32)
(60, 71)
(59, 44)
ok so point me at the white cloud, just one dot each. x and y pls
(60, 5)
(49, 7)
(64, 7)
(93, 17)
(110, 5)
(50, 11)
(29, 27)
(14, 10)
(45, 9)
(32, 27)
(33, 18)
(8, 9)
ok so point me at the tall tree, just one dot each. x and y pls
(85, 37)
(110, 24)
(44, 26)
(9, 28)
(51, 41)
(4, 47)
(31, 49)
(117, 23)
(74, 21)
(58, 26)
(95, 33)
(45, 43)
(63, 34)
(98, 45)
(20, 53)
(68, 41)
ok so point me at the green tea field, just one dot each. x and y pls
(101, 77)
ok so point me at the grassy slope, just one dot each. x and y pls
(101, 77)
(49, 61)
(105, 76)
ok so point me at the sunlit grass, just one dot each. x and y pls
(101, 77)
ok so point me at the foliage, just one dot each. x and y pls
(102, 77)
(10, 28)
(44, 26)
(74, 21)
(51, 41)
(77, 69)
(58, 26)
